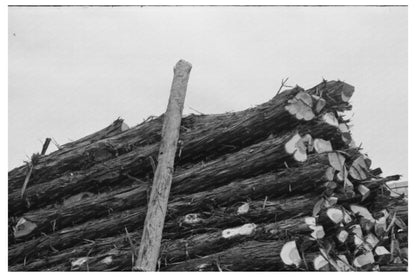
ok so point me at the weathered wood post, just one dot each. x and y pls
(156, 211)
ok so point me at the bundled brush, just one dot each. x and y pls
(281, 186)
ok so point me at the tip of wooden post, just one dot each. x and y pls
(183, 65)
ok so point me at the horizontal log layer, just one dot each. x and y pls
(271, 184)
(258, 212)
(249, 256)
(173, 251)
(174, 227)
(50, 165)
(255, 159)
(260, 186)
(207, 136)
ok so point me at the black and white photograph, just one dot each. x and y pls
(206, 137)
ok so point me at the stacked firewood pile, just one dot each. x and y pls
(281, 186)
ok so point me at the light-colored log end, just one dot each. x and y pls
(364, 259)
(320, 263)
(336, 215)
(245, 230)
(290, 254)
(23, 228)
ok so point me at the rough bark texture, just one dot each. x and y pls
(176, 228)
(69, 157)
(255, 159)
(227, 133)
(245, 185)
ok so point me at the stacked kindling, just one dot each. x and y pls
(281, 186)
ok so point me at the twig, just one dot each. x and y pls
(56, 144)
(29, 172)
(283, 85)
(401, 187)
(391, 223)
(195, 110)
(217, 262)
(264, 203)
(134, 178)
(133, 250)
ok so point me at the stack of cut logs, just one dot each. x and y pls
(281, 186)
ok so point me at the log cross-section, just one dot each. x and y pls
(156, 212)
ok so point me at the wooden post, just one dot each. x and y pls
(156, 211)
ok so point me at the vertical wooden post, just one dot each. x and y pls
(156, 210)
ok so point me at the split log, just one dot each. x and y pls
(252, 160)
(208, 137)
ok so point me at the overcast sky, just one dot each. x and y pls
(73, 71)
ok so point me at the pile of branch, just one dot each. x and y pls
(281, 186)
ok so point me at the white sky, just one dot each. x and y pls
(73, 71)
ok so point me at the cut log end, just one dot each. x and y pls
(245, 230)
(318, 232)
(364, 259)
(362, 211)
(290, 254)
(290, 146)
(192, 219)
(343, 264)
(322, 146)
(371, 241)
(381, 251)
(243, 209)
(301, 106)
(319, 103)
(310, 221)
(336, 215)
(359, 169)
(330, 173)
(330, 119)
(78, 263)
(24, 228)
(342, 236)
(364, 191)
(299, 147)
(347, 92)
(107, 260)
(320, 263)
(124, 127)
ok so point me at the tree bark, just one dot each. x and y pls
(212, 136)
(249, 256)
(255, 159)
(247, 163)
(176, 227)
(203, 131)
(68, 158)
